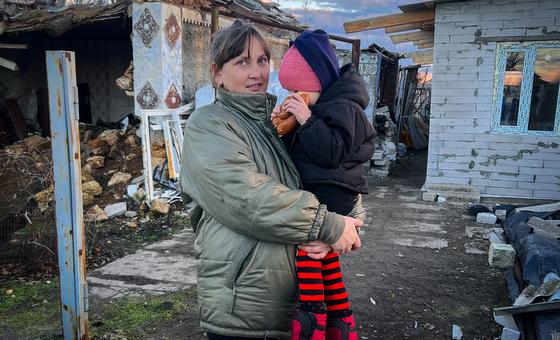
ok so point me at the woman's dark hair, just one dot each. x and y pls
(230, 43)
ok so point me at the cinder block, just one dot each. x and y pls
(486, 218)
(501, 214)
(429, 196)
(501, 255)
(378, 155)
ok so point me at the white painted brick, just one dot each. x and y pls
(485, 53)
(538, 22)
(456, 159)
(461, 39)
(499, 138)
(539, 186)
(462, 173)
(456, 76)
(529, 163)
(508, 192)
(466, 145)
(447, 180)
(538, 171)
(494, 183)
(539, 155)
(451, 151)
(549, 4)
(455, 136)
(545, 194)
(509, 146)
(552, 164)
(512, 177)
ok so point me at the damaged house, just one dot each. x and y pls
(495, 112)
(162, 46)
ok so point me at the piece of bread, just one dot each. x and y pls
(285, 122)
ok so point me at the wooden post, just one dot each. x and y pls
(356, 53)
(215, 20)
(63, 107)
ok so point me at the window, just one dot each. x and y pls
(526, 96)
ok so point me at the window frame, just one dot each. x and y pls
(529, 51)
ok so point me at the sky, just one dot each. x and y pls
(331, 14)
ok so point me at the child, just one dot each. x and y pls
(329, 148)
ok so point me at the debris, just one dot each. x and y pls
(137, 180)
(44, 197)
(132, 225)
(372, 301)
(131, 190)
(115, 209)
(484, 308)
(501, 214)
(145, 219)
(441, 199)
(129, 156)
(544, 228)
(36, 143)
(501, 255)
(360, 275)
(96, 162)
(497, 236)
(456, 333)
(92, 188)
(9, 292)
(475, 209)
(477, 246)
(541, 208)
(429, 196)
(550, 286)
(429, 326)
(486, 218)
(478, 232)
(139, 195)
(98, 147)
(160, 206)
(111, 137)
(86, 173)
(130, 213)
(95, 214)
(119, 178)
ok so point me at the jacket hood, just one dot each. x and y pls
(255, 106)
(350, 86)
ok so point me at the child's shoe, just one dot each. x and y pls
(308, 326)
(341, 329)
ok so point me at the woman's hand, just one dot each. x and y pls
(349, 240)
(316, 249)
(298, 108)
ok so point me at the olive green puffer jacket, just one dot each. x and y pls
(236, 168)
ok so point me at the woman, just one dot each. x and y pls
(237, 170)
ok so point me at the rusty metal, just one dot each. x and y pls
(63, 107)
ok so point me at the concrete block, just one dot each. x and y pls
(501, 255)
(378, 155)
(116, 209)
(441, 199)
(486, 218)
(380, 162)
(429, 196)
(501, 214)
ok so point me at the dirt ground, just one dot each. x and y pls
(409, 292)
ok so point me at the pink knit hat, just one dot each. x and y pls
(295, 74)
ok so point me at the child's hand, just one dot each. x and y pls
(275, 112)
(298, 108)
(316, 249)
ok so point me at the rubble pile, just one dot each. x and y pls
(385, 154)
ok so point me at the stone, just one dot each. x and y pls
(378, 155)
(98, 147)
(380, 162)
(501, 214)
(441, 199)
(131, 189)
(456, 333)
(92, 188)
(116, 209)
(114, 152)
(501, 255)
(86, 173)
(145, 219)
(160, 206)
(132, 225)
(429, 196)
(129, 157)
(158, 152)
(131, 141)
(130, 214)
(96, 162)
(139, 195)
(486, 218)
(478, 232)
(95, 214)
(138, 180)
(44, 197)
(544, 228)
(111, 137)
(119, 178)
(87, 199)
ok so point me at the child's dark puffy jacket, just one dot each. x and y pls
(331, 147)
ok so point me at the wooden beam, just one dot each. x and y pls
(425, 46)
(426, 25)
(405, 37)
(389, 20)
(423, 41)
(422, 53)
(8, 64)
(14, 46)
(423, 60)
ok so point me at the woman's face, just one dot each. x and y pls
(246, 73)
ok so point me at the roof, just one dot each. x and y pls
(31, 16)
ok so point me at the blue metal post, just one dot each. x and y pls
(63, 106)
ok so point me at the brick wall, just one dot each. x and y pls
(462, 148)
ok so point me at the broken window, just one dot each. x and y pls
(527, 88)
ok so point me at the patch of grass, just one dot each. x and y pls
(137, 317)
(31, 310)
